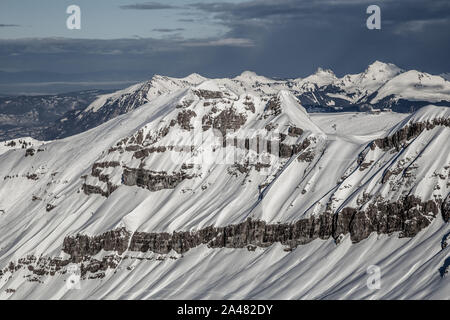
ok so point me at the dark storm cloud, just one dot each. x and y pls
(8, 25)
(299, 36)
(148, 6)
(108, 59)
(398, 10)
(85, 46)
(400, 15)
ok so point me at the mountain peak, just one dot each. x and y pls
(324, 71)
(320, 78)
(194, 78)
(379, 66)
(248, 74)
(251, 76)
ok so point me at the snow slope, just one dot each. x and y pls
(415, 86)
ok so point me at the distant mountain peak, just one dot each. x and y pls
(250, 76)
(194, 78)
(382, 67)
(321, 70)
(321, 77)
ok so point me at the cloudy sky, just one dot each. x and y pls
(124, 41)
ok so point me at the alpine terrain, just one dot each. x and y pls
(239, 188)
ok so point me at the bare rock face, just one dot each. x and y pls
(408, 216)
(29, 152)
(208, 94)
(306, 156)
(273, 107)
(287, 150)
(250, 232)
(258, 233)
(228, 119)
(444, 269)
(249, 105)
(295, 132)
(97, 172)
(445, 209)
(400, 137)
(153, 180)
(83, 245)
(184, 119)
(41, 267)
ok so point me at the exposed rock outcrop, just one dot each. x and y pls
(184, 119)
(408, 217)
(249, 232)
(96, 171)
(208, 94)
(228, 119)
(83, 245)
(400, 137)
(445, 209)
(273, 107)
(153, 180)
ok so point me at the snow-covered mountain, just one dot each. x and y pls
(380, 86)
(229, 189)
(109, 106)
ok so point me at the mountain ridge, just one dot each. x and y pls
(380, 86)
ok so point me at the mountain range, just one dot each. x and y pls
(381, 86)
(22, 116)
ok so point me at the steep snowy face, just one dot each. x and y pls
(141, 93)
(226, 178)
(109, 106)
(415, 86)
